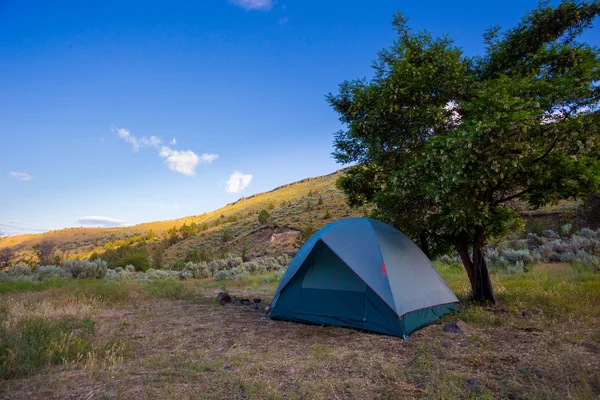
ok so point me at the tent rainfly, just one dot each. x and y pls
(362, 273)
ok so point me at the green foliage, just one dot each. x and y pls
(245, 255)
(320, 202)
(39, 342)
(169, 289)
(158, 258)
(327, 215)
(187, 231)
(271, 206)
(306, 231)
(443, 142)
(127, 255)
(227, 235)
(198, 254)
(590, 210)
(263, 217)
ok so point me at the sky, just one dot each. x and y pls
(121, 112)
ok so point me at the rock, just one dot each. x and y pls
(223, 297)
(257, 301)
(540, 372)
(446, 344)
(267, 308)
(245, 301)
(473, 385)
(227, 368)
(456, 327)
(234, 300)
(254, 306)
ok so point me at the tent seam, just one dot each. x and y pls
(387, 277)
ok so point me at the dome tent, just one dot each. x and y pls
(362, 273)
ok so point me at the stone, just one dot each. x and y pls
(540, 372)
(473, 384)
(245, 301)
(254, 306)
(227, 368)
(223, 297)
(456, 327)
(267, 308)
(257, 301)
(446, 344)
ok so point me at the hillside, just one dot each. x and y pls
(304, 205)
(313, 201)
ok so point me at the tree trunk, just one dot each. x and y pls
(482, 290)
(476, 268)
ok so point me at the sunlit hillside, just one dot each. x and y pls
(305, 205)
(313, 201)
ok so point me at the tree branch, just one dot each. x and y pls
(514, 196)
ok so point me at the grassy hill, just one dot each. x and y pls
(303, 206)
(311, 203)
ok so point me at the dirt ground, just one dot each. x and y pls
(195, 348)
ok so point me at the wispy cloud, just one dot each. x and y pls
(11, 228)
(138, 143)
(173, 141)
(182, 161)
(97, 220)
(21, 176)
(238, 182)
(253, 4)
(282, 21)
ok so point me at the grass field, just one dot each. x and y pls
(170, 339)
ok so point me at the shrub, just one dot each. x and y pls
(263, 217)
(227, 235)
(513, 256)
(196, 270)
(19, 270)
(47, 271)
(83, 269)
(306, 231)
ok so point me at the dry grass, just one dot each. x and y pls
(173, 341)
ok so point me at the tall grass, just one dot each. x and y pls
(37, 342)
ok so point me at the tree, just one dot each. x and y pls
(6, 256)
(443, 143)
(158, 257)
(263, 217)
(43, 251)
(245, 255)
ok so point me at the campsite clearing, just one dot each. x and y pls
(170, 339)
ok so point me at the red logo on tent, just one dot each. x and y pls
(383, 271)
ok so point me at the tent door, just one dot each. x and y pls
(331, 289)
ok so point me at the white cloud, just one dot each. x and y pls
(253, 4)
(96, 220)
(138, 143)
(185, 161)
(238, 182)
(22, 176)
(182, 161)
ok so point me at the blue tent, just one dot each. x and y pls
(362, 273)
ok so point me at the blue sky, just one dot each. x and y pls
(143, 111)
